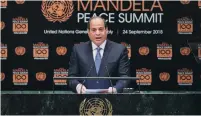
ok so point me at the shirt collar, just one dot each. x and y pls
(102, 46)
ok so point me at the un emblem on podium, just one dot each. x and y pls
(95, 106)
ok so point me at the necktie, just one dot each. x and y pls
(98, 59)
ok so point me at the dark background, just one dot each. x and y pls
(37, 23)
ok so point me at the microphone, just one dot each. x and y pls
(86, 76)
(110, 79)
(53, 85)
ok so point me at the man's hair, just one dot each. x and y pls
(95, 17)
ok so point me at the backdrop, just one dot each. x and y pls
(37, 40)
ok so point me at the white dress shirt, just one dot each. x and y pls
(102, 46)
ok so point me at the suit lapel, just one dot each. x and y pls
(90, 58)
(107, 50)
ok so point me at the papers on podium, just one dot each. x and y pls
(96, 91)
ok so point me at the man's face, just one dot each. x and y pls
(97, 32)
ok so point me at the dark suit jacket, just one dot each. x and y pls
(115, 60)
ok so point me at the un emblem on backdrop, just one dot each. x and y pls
(57, 10)
(20, 50)
(61, 50)
(164, 76)
(2, 25)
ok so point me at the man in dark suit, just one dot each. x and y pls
(99, 57)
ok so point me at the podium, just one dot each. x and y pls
(68, 103)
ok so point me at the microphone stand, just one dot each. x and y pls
(85, 79)
(109, 76)
(53, 85)
(139, 85)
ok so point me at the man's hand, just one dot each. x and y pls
(81, 89)
(112, 90)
